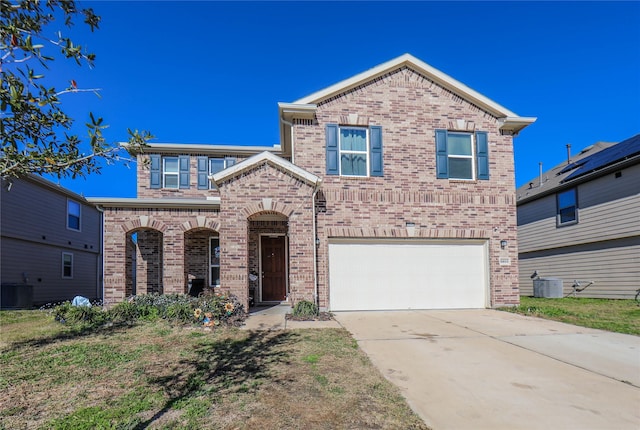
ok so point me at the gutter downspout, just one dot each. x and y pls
(316, 299)
(99, 261)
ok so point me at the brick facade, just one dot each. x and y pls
(266, 199)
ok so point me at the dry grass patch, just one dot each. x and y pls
(158, 376)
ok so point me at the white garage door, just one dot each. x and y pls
(407, 274)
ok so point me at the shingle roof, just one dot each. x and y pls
(592, 158)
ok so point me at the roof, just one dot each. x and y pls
(509, 121)
(206, 149)
(124, 202)
(593, 161)
(268, 158)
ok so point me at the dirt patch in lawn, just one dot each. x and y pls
(157, 376)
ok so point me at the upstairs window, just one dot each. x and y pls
(210, 166)
(74, 210)
(354, 151)
(463, 156)
(169, 172)
(567, 204)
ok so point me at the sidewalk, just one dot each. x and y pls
(274, 318)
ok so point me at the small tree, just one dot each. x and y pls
(34, 128)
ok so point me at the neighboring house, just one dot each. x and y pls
(50, 240)
(580, 221)
(393, 189)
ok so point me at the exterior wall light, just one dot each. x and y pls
(503, 244)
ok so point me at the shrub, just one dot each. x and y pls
(83, 315)
(305, 308)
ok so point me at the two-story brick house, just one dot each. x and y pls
(393, 189)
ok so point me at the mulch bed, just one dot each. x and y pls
(322, 316)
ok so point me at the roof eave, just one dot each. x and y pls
(123, 202)
(164, 148)
(514, 125)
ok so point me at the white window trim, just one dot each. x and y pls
(559, 222)
(472, 156)
(366, 151)
(165, 173)
(79, 215)
(64, 254)
(213, 265)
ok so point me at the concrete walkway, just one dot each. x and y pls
(274, 318)
(486, 369)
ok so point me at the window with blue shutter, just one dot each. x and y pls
(184, 171)
(354, 151)
(462, 155)
(376, 166)
(482, 155)
(156, 170)
(203, 173)
(333, 168)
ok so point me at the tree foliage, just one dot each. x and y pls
(36, 132)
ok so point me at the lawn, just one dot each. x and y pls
(154, 375)
(622, 316)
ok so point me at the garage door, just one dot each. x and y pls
(407, 274)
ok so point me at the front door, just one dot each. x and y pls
(274, 268)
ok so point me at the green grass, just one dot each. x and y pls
(156, 375)
(621, 316)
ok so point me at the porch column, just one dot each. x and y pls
(115, 251)
(233, 256)
(173, 262)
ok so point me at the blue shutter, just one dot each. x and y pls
(203, 173)
(183, 163)
(333, 167)
(482, 154)
(442, 159)
(376, 165)
(156, 170)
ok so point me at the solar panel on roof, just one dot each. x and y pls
(623, 150)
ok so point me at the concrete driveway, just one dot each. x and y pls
(486, 369)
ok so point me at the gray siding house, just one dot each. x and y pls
(580, 221)
(51, 240)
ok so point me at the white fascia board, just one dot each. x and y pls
(296, 109)
(420, 66)
(244, 165)
(123, 202)
(515, 124)
(207, 149)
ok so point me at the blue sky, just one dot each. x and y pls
(213, 72)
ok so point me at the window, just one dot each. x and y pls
(463, 156)
(567, 208)
(73, 215)
(214, 262)
(67, 265)
(169, 172)
(354, 151)
(210, 166)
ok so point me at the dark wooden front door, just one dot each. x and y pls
(274, 268)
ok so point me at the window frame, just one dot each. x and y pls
(559, 208)
(69, 215)
(367, 151)
(211, 265)
(165, 173)
(226, 163)
(472, 156)
(64, 265)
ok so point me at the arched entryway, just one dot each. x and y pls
(268, 257)
(201, 259)
(143, 262)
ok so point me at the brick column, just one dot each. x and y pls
(173, 262)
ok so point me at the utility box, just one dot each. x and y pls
(550, 288)
(16, 296)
